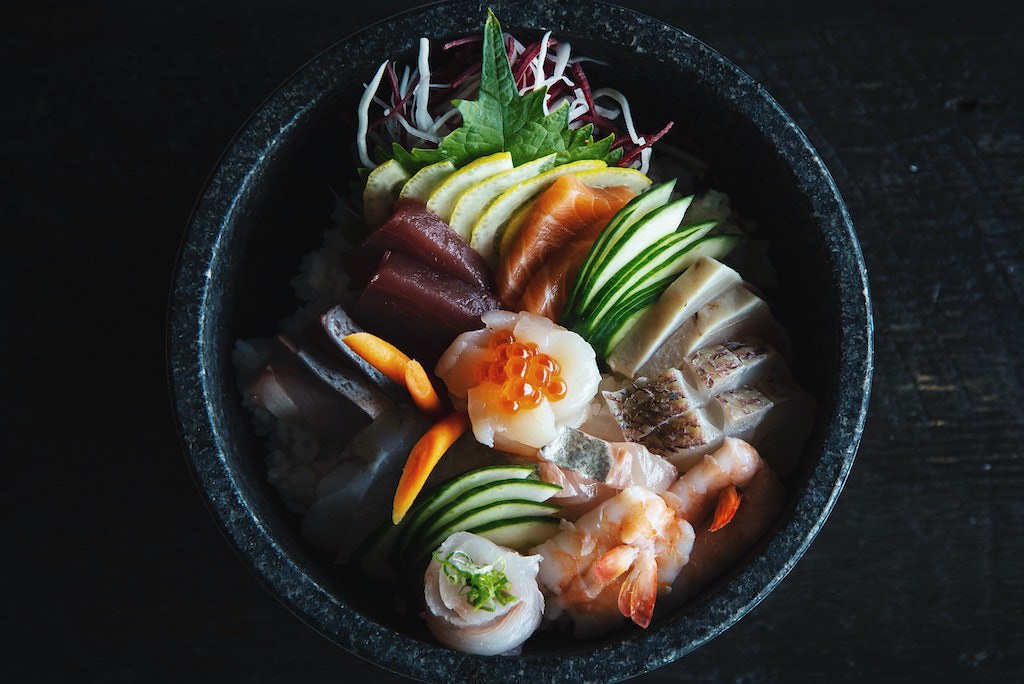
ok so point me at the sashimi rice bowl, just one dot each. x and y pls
(522, 363)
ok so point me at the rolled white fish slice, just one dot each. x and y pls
(458, 625)
(737, 313)
(703, 282)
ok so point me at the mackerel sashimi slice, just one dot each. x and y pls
(418, 233)
(565, 212)
(419, 309)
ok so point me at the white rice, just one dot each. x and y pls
(296, 459)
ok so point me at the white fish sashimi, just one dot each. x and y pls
(742, 411)
(591, 470)
(736, 314)
(618, 465)
(781, 434)
(732, 363)
(356, 495)
(459, 625)
(666, 415)
(703, 282)
(600, 422)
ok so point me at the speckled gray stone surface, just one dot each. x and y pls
(759, 153)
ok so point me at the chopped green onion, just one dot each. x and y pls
(482, 585)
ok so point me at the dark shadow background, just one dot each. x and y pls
(114, 113)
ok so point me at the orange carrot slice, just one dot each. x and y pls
(728, 504)
(422, 459)
(382, 355)
(422, 390)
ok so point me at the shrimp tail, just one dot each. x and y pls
(640, 591)
(613, 564)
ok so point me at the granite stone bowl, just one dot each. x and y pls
(267, 203)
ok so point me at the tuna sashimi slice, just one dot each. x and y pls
(565, 212)
(420, 234)
(418, 309)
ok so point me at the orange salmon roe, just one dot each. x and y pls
(526, 375)
(501, 337)
(556, 389)
(516, 367)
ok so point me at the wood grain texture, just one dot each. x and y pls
(115, 113)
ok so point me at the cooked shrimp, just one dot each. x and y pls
(715, 552)
(695, 494)
(614, 561)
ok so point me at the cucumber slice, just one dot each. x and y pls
(628, 310)
(657, 261)
(527, 490)
(637, 237)
(607, 244)
(382, 187)
(442, 199)
(482, 516)
(520, 534)
(426, 180)
(448, 491)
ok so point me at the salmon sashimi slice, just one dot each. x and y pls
(565, 212)
(549, 288)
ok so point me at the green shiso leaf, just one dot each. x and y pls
(502, 120)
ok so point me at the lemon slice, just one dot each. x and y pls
(382, 187)
(426, 180)
(512, 229)
(613, 176)
(472, 202)
(487, 228)
(442, 199)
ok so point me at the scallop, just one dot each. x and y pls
(526, 427)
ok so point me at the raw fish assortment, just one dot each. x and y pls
(529, 393)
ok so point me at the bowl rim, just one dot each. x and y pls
(204, 443)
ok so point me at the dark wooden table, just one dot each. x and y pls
(113, 114)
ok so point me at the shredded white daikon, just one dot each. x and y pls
(363, 116)
(423, 118)
(627, 117)
(538, 63)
